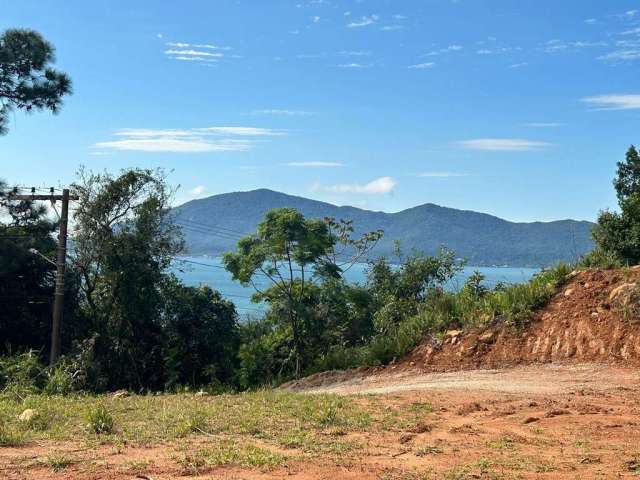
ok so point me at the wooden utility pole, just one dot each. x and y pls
(61, 264)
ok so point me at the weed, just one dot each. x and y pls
(59, 462)
(100, 421)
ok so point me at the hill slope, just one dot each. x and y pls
(483, 239)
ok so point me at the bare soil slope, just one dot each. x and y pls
(592, 319)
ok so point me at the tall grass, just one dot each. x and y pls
(511, 305)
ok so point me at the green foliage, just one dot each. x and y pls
(202, 336)
(99, 420)
(27, 81)
(512, 305)
(289, 250)
(617, 235)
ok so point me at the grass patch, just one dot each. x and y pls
(229, 452)
(59, 462)
(99, 420)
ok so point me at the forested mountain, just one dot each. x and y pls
(212, 226)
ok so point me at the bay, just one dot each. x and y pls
(195, 271)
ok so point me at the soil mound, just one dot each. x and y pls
(595, 317)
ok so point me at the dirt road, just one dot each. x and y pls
(550, 379)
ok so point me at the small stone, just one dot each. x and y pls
(406, 437)
(202, 393)
(594, 314)
(120, 394)
(487, 337)
(529, 420)
(621, 290)
(28, 415)
(453, 333)
(412, 364)
(568, 292)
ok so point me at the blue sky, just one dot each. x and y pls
(519, 108)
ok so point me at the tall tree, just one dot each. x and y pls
(289, 250)
(27, 80)
(124, 243)
(618, 234)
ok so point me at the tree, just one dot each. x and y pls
(124, 243)
(202, 336)
(617, 235)
(27, 81)
(288, 251)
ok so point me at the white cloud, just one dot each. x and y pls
(194, 53)
(555, 46)
(194, 140)
(400, 17)
(241, 131)
(175, 145)
(207, 46)
(421, 66)
(354, 53)
(315, 164)
(614, 102)
(199, 190)
(503, 144)
(623, 55)
(364, 21)
(354, 65)
(441, 174)
(519, 65)
(379, 186)
(392, 28)
(316, 19)
(591, 21)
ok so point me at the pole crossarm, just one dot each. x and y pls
(53, 198)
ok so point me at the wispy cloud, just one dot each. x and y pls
(379, 186)
(442, 51)
(354, 53)
(354, 65)
(392, 28)
(200, 53)
(441, 174)
(194, 140)
(613, 102)
(621, 55)
(519, 65)
(503, 144)
(207, 46)
(557, 46)
(363, 22)
(242, 131)
(315, 164)
(421, 66)
(199, 190)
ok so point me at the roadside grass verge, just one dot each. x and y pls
(266, 423)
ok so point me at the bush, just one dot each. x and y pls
(512, 305)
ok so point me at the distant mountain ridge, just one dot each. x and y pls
(212, 226)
